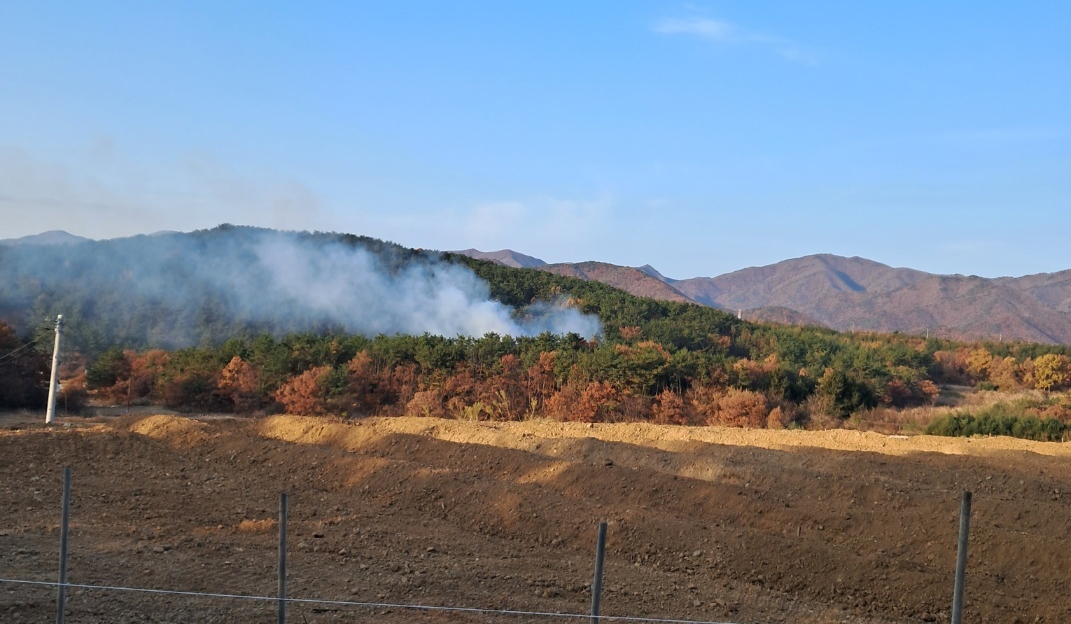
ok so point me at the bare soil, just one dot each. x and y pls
(705, 524)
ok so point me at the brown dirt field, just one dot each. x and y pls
(704, 523)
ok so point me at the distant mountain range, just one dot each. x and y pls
(59, 237)
(52, 237)
(853, 293)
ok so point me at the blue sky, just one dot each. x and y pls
(699, 138)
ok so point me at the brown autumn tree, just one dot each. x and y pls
(559, 405)
(427, 403)
(541, 383)
(305, 394)
(1005, 373)
(896, 393)
(504, 393)
(929, 391)
(461, 393)
(145, 369)
(744, 408)
(597, 402)
(705, 402)
(751, 374)
(733, 407)
(671, 409)
(776, 419)
(951, 366)
(239, 381)
(368, 387)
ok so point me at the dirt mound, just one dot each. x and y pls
(174, 429)
(704, 523)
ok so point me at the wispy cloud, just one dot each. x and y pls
(727, 33)
(704, 27)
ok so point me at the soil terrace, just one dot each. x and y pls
(704, 523)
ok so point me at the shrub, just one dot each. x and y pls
(428, 403)
(1000, 420)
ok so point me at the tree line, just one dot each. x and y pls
(758, 376)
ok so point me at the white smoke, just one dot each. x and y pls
(348, 286)
(177, 290)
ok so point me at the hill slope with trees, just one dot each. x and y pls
(856, 293)
(669, 362)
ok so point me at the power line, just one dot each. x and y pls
(11, 354)
(370, 605)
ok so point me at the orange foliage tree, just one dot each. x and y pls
(239, 381)
(306, 394)
(671, 409)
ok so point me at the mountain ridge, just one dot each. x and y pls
(848, 293)
(51, 237)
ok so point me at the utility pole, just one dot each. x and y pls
(51, 413)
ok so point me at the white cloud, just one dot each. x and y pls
(706, 28)
(726, 33)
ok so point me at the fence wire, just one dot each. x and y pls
(366, 605)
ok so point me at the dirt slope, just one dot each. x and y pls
(704, 524)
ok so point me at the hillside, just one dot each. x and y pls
(634, 281)
(174, 290)
(505, 257)
(704, 524)
(860, 294)
(854, 292)
(52, 237)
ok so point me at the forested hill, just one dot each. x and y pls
(175, 290)
(328, 322)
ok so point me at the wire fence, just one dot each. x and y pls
(97, 599)
(283, 602)
(367, 605)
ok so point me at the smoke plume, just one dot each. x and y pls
(351, 288)
(182, 289)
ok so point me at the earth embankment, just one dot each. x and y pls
(704, 523)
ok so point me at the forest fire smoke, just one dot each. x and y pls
(185, 289)
(348, 286)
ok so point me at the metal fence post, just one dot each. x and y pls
(596, 585)
(961, 558)
(282, 558)
(61, 599)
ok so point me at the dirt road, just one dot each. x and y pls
(704, 523)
